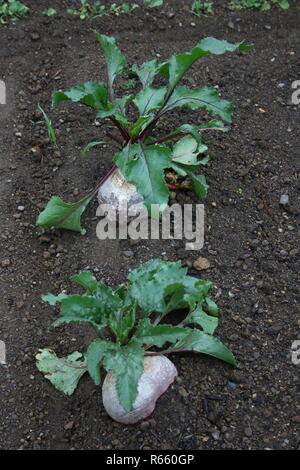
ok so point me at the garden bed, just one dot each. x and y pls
(251, 241)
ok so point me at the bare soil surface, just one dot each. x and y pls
(251, 241)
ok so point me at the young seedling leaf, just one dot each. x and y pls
(50, 129)
(91, 145)
(201, 342)
(64, 373)
(61, 214)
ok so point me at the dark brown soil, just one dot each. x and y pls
(251, 241)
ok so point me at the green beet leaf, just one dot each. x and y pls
(207, 322)
(91, 145)
(177, 65)
(95, 355)
(149, 99)
(199, 341)
(53, 299)
(205, 97)
(126, 362)
(143, 167)
(149, 282)
(114, 58)
(65, 372)
(86, 280)
(158, 335)
(63, 215)
(200, 185)
(84, 309)
(153, 3)
(146, 72)
(93, 94)
(186, 150)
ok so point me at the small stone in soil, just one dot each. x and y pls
(6, 262)
(215, 435)
(128, 253)
(35, 36)
(284, 200)
(201, 264)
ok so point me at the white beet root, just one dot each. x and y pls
(120, 194)
(159, 373)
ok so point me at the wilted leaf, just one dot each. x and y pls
(65, 372)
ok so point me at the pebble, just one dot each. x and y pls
(215, 435)
(248, 432)
(201, 264)
(6, 262)
(170, 14)
(232, 385)
(183, 392)
(236, 376)
(284, 200)
(145, 425)
(128, 253)
(69, 425)
(35, 36)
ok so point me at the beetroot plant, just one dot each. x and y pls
(143, 157)
(132, 323)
